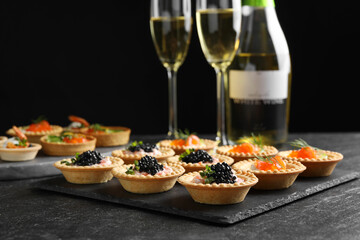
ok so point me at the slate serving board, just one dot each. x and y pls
(178, 202)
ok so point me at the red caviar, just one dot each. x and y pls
(75, 140)
(305, 152)
(275, 163)
(190, 140)
(40, 126)
(244, 148)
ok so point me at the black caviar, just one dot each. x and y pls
(87, 158)
(196, 156)
(218, 173)
(150, 165)
(137, 146)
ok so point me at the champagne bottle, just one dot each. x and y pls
(259, 78)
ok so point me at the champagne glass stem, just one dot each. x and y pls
(173, 126)
(220, 89)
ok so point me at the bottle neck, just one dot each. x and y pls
(258, 3)
(261, 31)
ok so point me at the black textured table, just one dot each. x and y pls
(31, 213)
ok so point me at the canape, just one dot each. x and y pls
(36, 130)
(218, 184)
(148, 176)
(246, 151)
(18, 148)
(319, 163)
(187, 141)
(196, 160)
(272, 172)
(108, 136)
(67, 144)
(138, 149)
(90, 167)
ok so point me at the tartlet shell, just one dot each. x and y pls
(130, 158)
(147, 184)
(67, 149)
(218, 194)
(269, 151)
(88, 174)
(191, 167)
(34, 137)
(110, 139)
(316, 167)
(20, 154)
(271, 180)
(208, 146)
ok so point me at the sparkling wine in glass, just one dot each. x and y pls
(218, 24)
(171, 27)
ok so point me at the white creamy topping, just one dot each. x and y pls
(163, 172)
(105, 162)
(154, 152)
(12, 140)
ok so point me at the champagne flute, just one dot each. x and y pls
(171, 26)
(218, 24)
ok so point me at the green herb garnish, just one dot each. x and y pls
(131, 170)
(265, 159)
(300, 143)
(55, 138)
(21, 142)
(66, 162)
(187, 152)
(206, 174)
(39, 119)
(183, 134)
(99, 127)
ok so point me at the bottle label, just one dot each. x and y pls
(258, 85)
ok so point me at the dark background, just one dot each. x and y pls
(97, 61)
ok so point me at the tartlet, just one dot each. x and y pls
(64, 147)
(319, 163)
(35, 131)
(108, 136)
(218, 194)
(137, 150)
(272, 179)
(188, 142)
(89, 174)
(200, 162)
(262, 151)
(18, 148)
(20, 154)
(134, 180)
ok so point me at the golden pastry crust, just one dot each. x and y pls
(34, 137)
(67, 149)
(218, 194)
(316, 167)
(110, 139)
(150, 183)
(191, 167)
(130, 158)
(270, 180)
(88, 174)
(269, 151)
(207, 146)
(20, 154)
